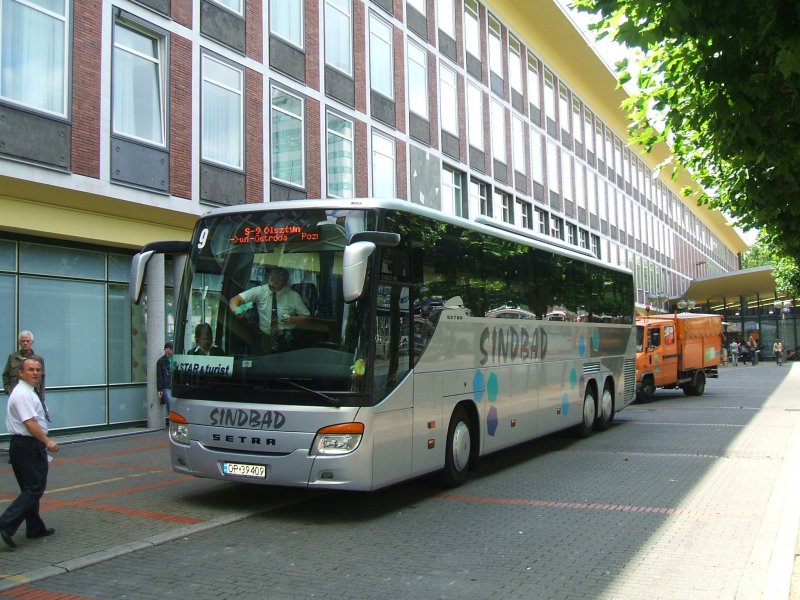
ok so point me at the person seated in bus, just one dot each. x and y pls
(204, 340)
(280, 309)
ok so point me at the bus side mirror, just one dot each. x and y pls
(138, 269)
(354, 269)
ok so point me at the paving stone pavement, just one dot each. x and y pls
(682, 498)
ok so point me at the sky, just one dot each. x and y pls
(611, 53)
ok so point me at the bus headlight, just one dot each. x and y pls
(178, 428)
(337, 439)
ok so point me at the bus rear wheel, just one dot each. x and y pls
(458, 450)
(605, 411)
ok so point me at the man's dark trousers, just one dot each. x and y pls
(29, 461)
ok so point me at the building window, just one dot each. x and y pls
(453, 192)
(507, 202)
(448, 100)
(525, 214)
(381, 61)
(445, 15)
(584, 238)
(518, 144)
(533, 81)
(383, 166)
(587, 130)
(340, 160)
(577, 122)
(572, 234)
(339, 35)
(472, 29)
(286, 21)
(234, 6)
(563, 108)
(498, 132)
(495, 47)
(514, 64)
(537, 157)
(36, 37)
(287, 145)
(475, 116)
(544, 221)
(479, 197)
(549, 95)
(552, 167)
(138, 84)
(417, 80)
(596, 246)
(598, 140)
(222, 131)
(557, 228)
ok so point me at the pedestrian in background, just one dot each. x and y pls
(27, 424)
(11, 370)
(734, 350)
(164, 376)
(752, 344)
(777, 350)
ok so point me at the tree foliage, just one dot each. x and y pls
(719, 81)
(784, 270)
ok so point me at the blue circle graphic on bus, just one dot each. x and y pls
(479, 386)
(573, 378)
(582, 346)
(565, 404)
(596, 340)
(492, 421)
(493, 387)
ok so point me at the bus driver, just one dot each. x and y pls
(279, 307)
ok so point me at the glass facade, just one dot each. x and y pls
(92, 338)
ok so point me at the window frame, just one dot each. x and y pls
(207, 56)
(301, 14)
(161, 63)
(301, 119)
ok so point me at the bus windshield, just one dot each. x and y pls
(266, 310)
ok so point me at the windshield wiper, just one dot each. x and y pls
(332, 401)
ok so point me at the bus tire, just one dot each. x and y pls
(589, 412)
(646, 390)
(605, 410)
(458, 450)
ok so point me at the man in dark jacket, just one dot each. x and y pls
(164, 376)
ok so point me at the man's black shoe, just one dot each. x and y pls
(8, 539)
(33, 536)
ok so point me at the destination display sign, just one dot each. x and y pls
(275, 235)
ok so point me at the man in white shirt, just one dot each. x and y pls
(26, 421)
(279, 307)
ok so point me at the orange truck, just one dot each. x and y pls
(680, 350)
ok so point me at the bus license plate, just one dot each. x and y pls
(244, 470)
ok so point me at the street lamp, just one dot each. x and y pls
(686, 304)
(658, 299)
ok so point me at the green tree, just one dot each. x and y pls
(719, 81)
(784, 270)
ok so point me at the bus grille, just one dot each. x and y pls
(590, 368)
(629, 373)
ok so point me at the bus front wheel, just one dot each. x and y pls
(458, 450)
(589, 412)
